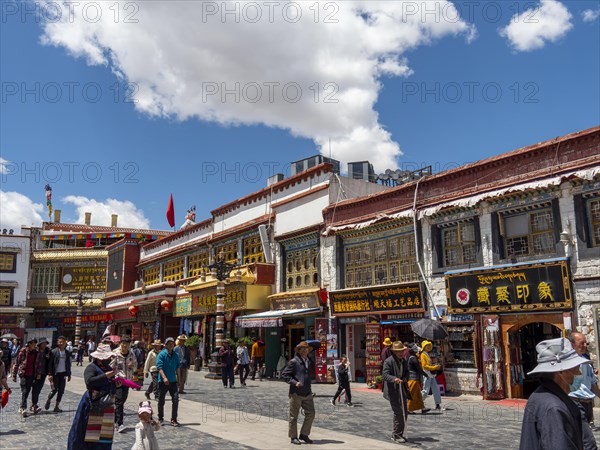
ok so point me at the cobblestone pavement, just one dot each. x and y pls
(255, 417)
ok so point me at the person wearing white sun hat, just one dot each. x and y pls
(551, 420)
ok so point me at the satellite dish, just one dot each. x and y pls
(381, 175)
(395, 175)
(384, 177)
(388, 172)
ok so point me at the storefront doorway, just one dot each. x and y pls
(295, 334)
(523, 358)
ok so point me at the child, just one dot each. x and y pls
(343, 381)
(144, 430)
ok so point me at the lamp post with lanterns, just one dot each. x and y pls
(80, 300)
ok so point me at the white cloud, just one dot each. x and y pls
(178, 54)
(17, 209)
(3, 165)
(530, 30)
(129, 215)
(589, 15)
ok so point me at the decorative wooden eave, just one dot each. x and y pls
(246, 226)
(66, 254)
(248, 277)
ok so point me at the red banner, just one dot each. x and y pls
(89, 318)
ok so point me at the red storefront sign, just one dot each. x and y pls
(89, 318)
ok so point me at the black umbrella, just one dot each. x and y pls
(429, 329)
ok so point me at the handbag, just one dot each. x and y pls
(101, 400)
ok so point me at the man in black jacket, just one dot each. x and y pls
(343, 381)
(59, 371)
(44, 363)
(297, 375)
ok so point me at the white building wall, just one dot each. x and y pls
(20, 243)
(302, 213)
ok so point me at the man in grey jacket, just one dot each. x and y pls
(551, 420)
(297, 375)
(395, 389)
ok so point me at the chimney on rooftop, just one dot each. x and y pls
(57, 216)
(113, 221)
(88, 218)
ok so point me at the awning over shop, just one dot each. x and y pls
(273, 318)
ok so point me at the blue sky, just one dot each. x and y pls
(413, 90)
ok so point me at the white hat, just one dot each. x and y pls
(555, 355)
(102, 352)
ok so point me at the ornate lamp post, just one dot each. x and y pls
(219, 270)
(80, 300)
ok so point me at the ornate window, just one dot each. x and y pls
(8, 262)
(173, 270)
(384, 261)
(229, 252)
(197, 263)
(529, 233)
(594, 214)
(253, 250)
(301, 269)
(152, 275)
(6, 296)
(46, 280)
(459, 245)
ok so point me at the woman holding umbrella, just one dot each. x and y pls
(93, 424)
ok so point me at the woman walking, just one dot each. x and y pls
(93, 424)
(415, 373)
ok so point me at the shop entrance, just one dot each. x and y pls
(523, 356)
(295, 334)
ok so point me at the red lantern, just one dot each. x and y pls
(166, 305)
(133, 310)
(323, 295)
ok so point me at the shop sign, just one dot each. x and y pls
(147, 313)
(88, 318)
(369, 300)
(86, 279)
(123, 316)
(541, 286)
(358, 319)
(52, 323)
(8, 320)
(183, 307)
(83, 325)
(416, 316)
(461, 317)
(299, 302)
(207, 303)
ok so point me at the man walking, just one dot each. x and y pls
(44, 364)
(395, 376)
(227, 362)
(584, 389)
(297, 375)
(59, 371)
(167, 364)
(184, 361)
(257, 358)
(150, 368)
(91, 346)
(27, 367)
(124, 364)
(343, 381)
(243, 361)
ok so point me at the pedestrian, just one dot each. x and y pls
(14, 351)
(243, 359)
(69, 347)
(167, 364)
(257, 358)
(150, 368)
(297, 375)
(91, 346)
(92, 426)
(184, 361)
(551, 420)
(44, 364)
(583, 391)
(227, 362)
(343, 381)
(80, 351)
(395, 390)
(28, 369)
(7, 358)
(59, 372)
(429, 381)
(144, 430)
(124, 365)
(3, 380)
(415, 374)
(386, 351)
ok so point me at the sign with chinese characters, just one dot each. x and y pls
(183, 307)
(295, 302)
(88, 318)
(206, 303)
(84, 278)
(394, 298)
(540, 286)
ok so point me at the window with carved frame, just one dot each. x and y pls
(301, 269)
(46, 280)
(173, 270)
(152, 275)
(459, 244)
(197, 263)
(6, 296)
(529, 233)
(253, 250)
(230, 252)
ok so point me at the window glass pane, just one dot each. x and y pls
(517, 225)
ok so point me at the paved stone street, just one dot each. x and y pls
(255, 417)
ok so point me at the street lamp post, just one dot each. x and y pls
(80, 300)
(219, 270)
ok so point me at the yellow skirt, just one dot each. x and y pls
(416, 403)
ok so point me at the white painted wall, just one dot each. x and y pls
(301, 213)
(21, 242)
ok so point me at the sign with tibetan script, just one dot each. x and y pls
(300, 301)
(183, 307)
(383, 299)
(541, 286)
(84, 278)
(206, 303)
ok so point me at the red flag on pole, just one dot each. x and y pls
(171, 212)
